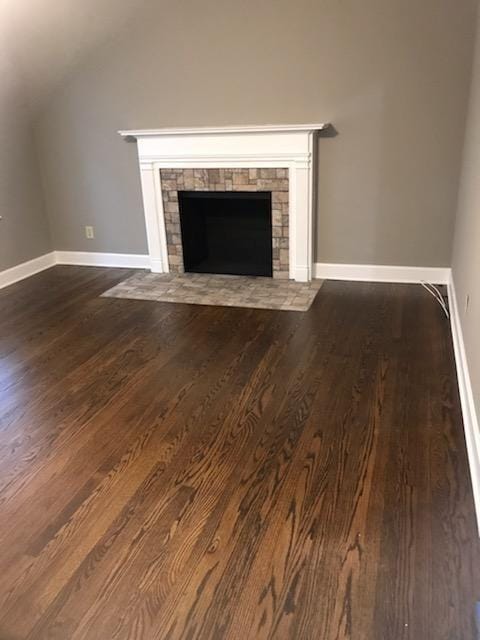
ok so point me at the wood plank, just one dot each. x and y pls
(174, 471)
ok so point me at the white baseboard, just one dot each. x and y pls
(81, 258)
(93, 259)
(329, 271)
(381, 273)
(470, 418)
(26, 269)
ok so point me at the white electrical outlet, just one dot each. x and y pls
(89, 232)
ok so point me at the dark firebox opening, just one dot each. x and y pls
(227, 232)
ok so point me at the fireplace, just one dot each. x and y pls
(279, 159)
(226, 232)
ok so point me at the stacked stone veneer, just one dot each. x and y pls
(274, 180)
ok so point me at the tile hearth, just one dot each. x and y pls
(218, 290)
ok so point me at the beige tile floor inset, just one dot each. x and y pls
(218, 290)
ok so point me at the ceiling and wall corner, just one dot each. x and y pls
(40, 43)
(49, 38)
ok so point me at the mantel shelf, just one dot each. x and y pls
(241, 129)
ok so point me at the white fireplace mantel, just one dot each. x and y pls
(270, 146)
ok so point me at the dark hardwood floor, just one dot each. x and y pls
(173, 471)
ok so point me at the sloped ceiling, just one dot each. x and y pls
(46, 39)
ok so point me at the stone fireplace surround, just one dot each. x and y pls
(276, 158)
(273, 180)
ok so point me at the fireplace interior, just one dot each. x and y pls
(226, 232)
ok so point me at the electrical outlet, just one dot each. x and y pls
(89, 233)
(467, 302)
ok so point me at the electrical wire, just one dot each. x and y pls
(435, 292)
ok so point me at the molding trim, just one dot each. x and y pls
(245, 161)
(188, 131)
(328, 271)
(93, 259)
(470, 418)
(26, 269)
(77, 258)
(381, 273)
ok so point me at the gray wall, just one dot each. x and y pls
(24, 232)
(392, 76)
(466, 250)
